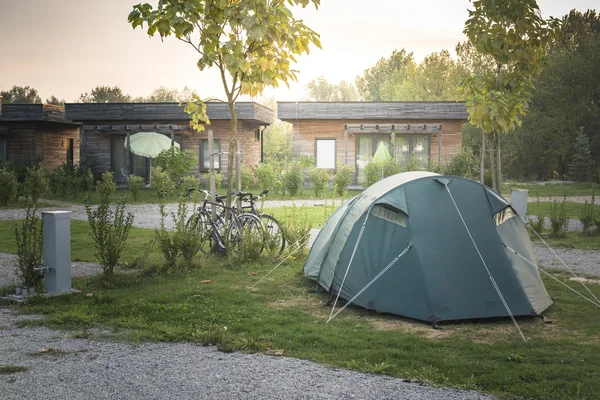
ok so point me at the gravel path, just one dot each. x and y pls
(86, 369)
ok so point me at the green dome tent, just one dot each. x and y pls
(429, 247)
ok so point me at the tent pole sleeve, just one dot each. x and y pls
(486, 267)
(371, 282)
(548, 274)
(559, 259)
(362, 229)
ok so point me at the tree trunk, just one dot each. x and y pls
(498, 165)
(493, 163)
(231, 152)
(482, 165)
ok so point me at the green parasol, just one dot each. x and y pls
(149, 144)
(382, 154)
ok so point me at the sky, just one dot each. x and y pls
(67, 47)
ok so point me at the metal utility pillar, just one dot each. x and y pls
(519, 202)
(57, 250)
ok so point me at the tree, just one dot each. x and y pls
(55, 101)
(567, 96)
(371, 83)
(21, 95)
(515, 36)
(105, 94)
(165, 95)
(321, 90)
(582, 164)
(251, 42)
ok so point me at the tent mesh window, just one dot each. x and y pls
(504, 215)
(389, 214)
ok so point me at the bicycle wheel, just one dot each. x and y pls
(247, 235)
(200, 225)
(275, 242)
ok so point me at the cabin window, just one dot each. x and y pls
(325, 153)
(390, 214)
(3, 145)
(205, 157)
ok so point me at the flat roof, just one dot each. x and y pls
(164, 112)
(365, 110)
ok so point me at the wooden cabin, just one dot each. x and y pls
(351, 132)
(106, 127)
(30, 132)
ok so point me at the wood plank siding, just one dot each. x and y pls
(346, 121)
(36, 131)
(103, 121)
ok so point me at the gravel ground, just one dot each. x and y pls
(86, 369)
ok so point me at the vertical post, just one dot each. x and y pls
(127, 154)
(172, 143)
(211, 173)
(482, 165)
(57, 250)
(82, 144)
(346, 144)
(238, 163)
(440, 146)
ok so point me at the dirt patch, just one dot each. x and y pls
(398, 324)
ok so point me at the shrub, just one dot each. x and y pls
(161, 184)
(109, 228)
(188, 182)
(582, 164)
(135, 184)
(29, 236)
(539, 224)
(266, 176)
(35, 185)
(293, 178)
(296, 228)
(413, 163)
(320, 177)
(248, 178)
(9, 185)
(464, 163)
(558, 218)
(176, 163)
(69, 180)
(587, 216)
(373, 173)
(342, 179)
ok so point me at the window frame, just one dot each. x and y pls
(334, 152)
(201, 154)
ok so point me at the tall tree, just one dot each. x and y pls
(21, 95)
(371, 83)
(251, 42)
(515, 36)
(105, 94)
(55, 101)
(321, 90)
(567, 97)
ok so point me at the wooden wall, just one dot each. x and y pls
(306, 131)
(30, 140)
(97, 141)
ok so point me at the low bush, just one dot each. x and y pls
(109, 227)
(35, 184)
(176, 163)
(464, 164)
(248, 178)
(558, 218)
(320, 178)
(29, 235)
(135, 184)
(9, 185)
(342, 179)
(162, 184)
(70, 180)
(296, 228)
(266, 176)
(293, 178)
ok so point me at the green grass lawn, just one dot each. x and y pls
(573, 210)
(570, 189)
(561, 360)
(216, 304)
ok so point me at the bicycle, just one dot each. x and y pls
(276, 239)
(217, 234)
